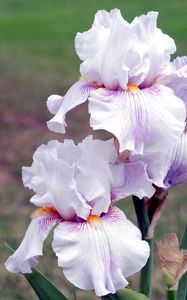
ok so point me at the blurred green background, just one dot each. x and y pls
(37, 58)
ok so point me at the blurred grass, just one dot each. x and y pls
(37, 58)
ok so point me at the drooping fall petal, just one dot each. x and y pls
(98, 254)
(25, 257)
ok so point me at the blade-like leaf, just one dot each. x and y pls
(182, 288)
(43, 287)
(125, 294)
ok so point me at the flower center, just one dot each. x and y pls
(133, 88)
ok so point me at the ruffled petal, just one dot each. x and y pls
(157, 165)
(170, 167)
(25, 257)
(146, 120)
(76, 95)
(94, 176)
(52, 177)
(154, 58)
(179, 62)
(138, 56)
(91, 45)
(175, 77)
(100, 253)
(131, 179)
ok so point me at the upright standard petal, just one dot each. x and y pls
(98, 254)
(116, 53)
(92, 45)
(146, 120)
(52, 177)
(94, 176)
(59, 106)
(155, 46)
(74, 179)
(25, 257)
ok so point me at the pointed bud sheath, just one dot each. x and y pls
(155, 206)
(173, 261)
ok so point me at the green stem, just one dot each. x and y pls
(147, 274)
(143, 222)
(171, 294)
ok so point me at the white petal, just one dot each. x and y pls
(176, 78)
(94, 176)
(53, 103)
(131, 179)
(170, 167)
(52, 177)
(157, 166)
(144, 121)
(115, 52)
(25, 257)
(99, 254)
(76, 95)
(154, 56)
(91, 46)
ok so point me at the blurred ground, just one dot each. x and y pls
(37, 58)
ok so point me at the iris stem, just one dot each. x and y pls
(143, 223)
(171, 294)
(147, 274)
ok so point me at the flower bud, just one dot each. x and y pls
(173, 260)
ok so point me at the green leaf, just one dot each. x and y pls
(182, 288)
(125, 294)
(43, 287)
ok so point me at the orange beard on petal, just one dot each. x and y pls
(94, 220)
(133, 88)
(44, 210)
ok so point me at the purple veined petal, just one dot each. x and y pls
(25, 257)
(76, 95)
(170, 167)
(177, 165)
(179, 62)
(100, 253)
(131, 179)
(146, 120)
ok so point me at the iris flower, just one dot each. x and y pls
(75, 188)
(120, 70)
